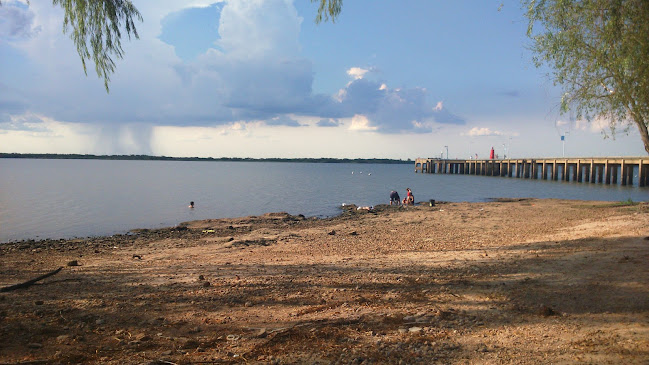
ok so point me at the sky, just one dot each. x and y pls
(260, 79)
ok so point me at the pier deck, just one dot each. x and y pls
(604, 170)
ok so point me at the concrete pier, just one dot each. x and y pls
(603, 170)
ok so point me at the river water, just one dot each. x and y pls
(79, 198)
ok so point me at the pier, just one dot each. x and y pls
(604, 170)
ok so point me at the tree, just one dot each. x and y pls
(598, 51)
(328, 9)
(97, 24)
(96, 30)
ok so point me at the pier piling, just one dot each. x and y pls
(627, 171)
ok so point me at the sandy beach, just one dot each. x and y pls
(519, 281)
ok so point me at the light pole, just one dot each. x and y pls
(563, 144)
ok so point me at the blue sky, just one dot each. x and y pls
(258, 78)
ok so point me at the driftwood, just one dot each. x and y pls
(31, 282)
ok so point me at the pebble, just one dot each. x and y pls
(415, 329)
(73, 263)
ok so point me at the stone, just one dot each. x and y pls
(73, 263)
(415, 330)
(261, 333)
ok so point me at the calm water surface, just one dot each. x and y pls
(79, 198)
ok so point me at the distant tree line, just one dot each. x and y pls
(74, 156)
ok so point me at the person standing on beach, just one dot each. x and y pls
(394, 198)
(409, 199)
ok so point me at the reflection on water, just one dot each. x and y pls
(78, 198)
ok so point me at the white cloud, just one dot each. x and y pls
(361, 123)
(482, 132)
(16, 21)
(357, 72)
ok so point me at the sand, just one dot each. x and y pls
(515, 281)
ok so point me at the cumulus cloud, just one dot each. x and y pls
(483, 132)
(443, 116)
(17, 21)
(393, 110)
(597, 125)
(328, 123)
(283, 121)
(361, 123)
(254, 72)
(357, 72)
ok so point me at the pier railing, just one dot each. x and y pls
(609, 170)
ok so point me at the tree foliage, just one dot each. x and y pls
(598, 51)
(328, 9)
(97, 30)
(95, 27)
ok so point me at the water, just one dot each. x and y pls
(79, 198)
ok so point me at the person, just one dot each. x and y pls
(410, 199)
(394, 198)
(191, 205)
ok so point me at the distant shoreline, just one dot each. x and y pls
(57, 156)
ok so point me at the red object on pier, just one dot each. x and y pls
(491, 154)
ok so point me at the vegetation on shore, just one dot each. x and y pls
(75, 156)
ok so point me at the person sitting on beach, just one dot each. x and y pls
(394, 198)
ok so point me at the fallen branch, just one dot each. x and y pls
(31, 282)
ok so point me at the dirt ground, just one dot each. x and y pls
(514, 281)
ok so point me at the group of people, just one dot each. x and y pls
(395, 199)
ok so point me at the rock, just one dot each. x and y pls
(63, 338)
(142, 337)
(415, 330)
(206, 284)
(403, 330)
(261, 333)
(99, 322)
(248, 304)
(546, 311)
(201, 277)
(190, 344)
(73, 263)
(39, 302)
(35, 346)
(333, 232)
